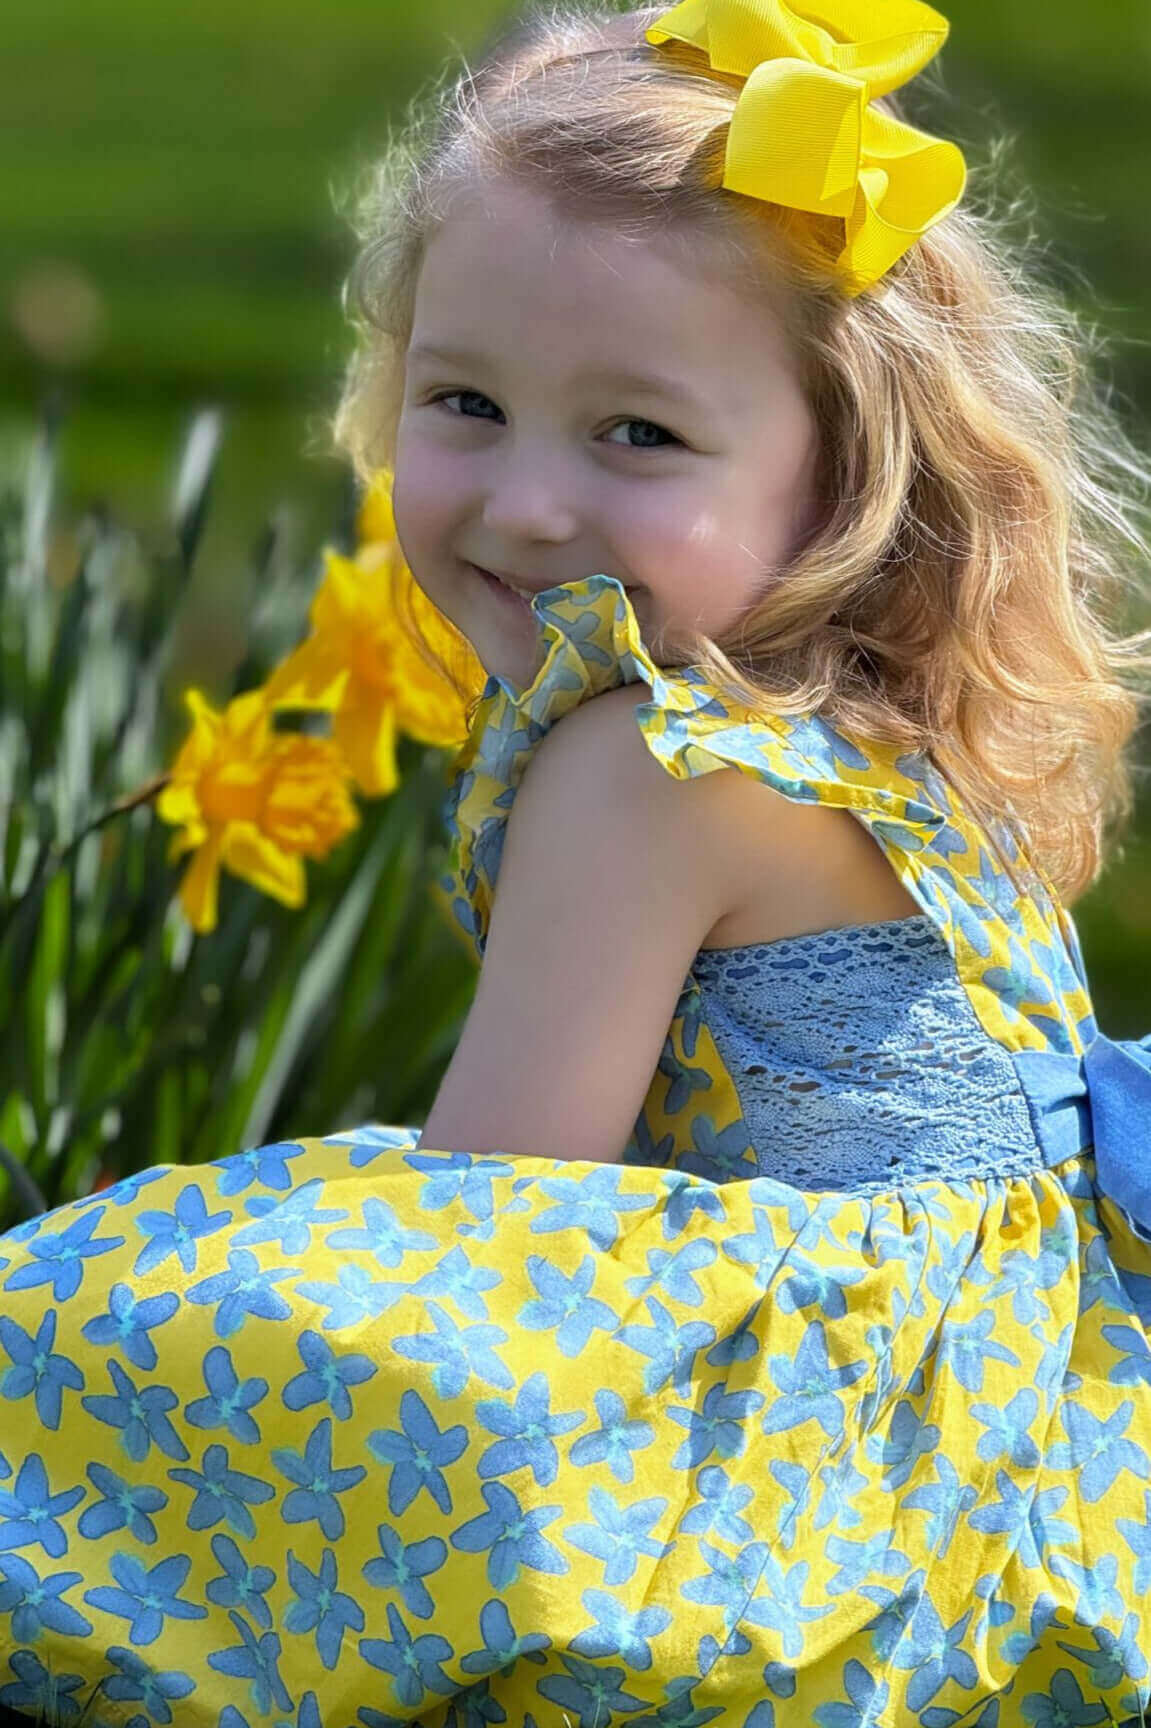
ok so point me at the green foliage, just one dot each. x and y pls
(128, 1040)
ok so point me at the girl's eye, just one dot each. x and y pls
(465, 395)
(662, 439)
(648, 426)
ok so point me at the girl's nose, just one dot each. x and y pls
(522, 506)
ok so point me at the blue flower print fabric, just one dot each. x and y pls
(339, 1434)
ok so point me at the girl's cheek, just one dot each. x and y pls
(652, 539)
(671, 551)
(419, 503)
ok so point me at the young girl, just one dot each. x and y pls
(758, 1330)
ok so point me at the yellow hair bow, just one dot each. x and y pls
(803, 133)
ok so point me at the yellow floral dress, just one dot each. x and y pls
(333, 1433)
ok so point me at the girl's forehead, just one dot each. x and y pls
(510, 229)
(505, 259)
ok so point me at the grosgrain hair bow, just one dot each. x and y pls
(803, 132)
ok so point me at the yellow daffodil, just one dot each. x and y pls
(376, 520)
(378, 544)
(253, 801)
(361, 663)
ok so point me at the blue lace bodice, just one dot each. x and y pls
(859, 1060)
(959, 1044)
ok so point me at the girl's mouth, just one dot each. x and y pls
(509, 595)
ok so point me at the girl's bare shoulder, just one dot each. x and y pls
(782, 868)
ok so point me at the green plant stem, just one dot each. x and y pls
(51, 861)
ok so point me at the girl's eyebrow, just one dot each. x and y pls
(648, 384)
(454, 356)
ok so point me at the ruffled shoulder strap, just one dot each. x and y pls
(1017, 955)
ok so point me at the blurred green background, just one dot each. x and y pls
(170, 237)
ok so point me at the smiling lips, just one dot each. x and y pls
(524, 592)
(521, 600)
(512, 586)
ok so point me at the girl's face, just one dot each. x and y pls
(576, 403)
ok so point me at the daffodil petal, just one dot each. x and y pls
(186, 841)
(178, 804)
(198, 747)
(247, 720)
(428, 706)
(376, 520)
(341, 601)
(365, 730)
(251, 855)
(199, 886)
(312, 676)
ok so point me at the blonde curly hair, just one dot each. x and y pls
(984, 542)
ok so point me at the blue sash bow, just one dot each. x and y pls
(1118, 1077)
(1101, 1099)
